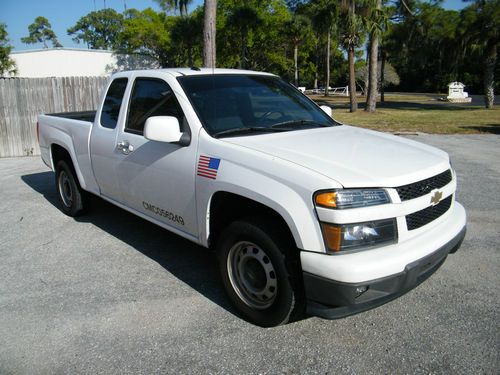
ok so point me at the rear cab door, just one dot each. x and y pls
(103, 151)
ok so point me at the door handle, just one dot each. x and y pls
(125, 147)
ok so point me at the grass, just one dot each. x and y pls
(412, 113)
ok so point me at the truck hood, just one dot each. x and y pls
(353, 157)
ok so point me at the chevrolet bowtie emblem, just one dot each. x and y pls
(436, 197)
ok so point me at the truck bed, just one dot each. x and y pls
(71, 131)
(82, 115)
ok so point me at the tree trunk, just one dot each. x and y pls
(209, 34)
(490, 59)
(242, 64)
(365, 92)
(190, 55)
(327, 78)
(296, 61)
(352, 80)
(382, 75)
(371, 98)
(317, 68)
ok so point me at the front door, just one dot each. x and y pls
(157, 178)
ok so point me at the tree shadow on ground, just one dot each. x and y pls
(490, 128)
(403, 105)
(192, 264)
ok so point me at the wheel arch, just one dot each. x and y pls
(59, 152)
(226, 207)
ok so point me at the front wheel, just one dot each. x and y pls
(261, 273)
(73, 199)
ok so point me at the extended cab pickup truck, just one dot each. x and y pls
(304, 213)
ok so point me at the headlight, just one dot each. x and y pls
(351, 198)
(354, 236)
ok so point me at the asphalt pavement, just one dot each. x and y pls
(112, 293)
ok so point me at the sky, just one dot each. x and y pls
(62, 14)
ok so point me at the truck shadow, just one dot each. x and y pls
(190, 263)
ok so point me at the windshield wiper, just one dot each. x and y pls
(261, 129)
(297, 123)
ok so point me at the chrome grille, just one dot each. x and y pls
(420, 218)
(417, 189)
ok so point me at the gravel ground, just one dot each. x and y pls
(111, 293)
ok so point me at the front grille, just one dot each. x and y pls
(417, 189)
(420, 218)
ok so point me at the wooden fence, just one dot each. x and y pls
(23, 99)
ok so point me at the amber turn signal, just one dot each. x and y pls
(333, 236)
(328, 199)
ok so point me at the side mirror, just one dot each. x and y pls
(162, 129)
(327, 110)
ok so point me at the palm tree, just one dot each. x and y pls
(181, 5)
(483, 35)
(325, 16)
(209, 33)
(350, 40)
(375, 21)
(298, 29)
(187, 31)
(245, 18)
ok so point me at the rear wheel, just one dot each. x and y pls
(260, 271)
(73, 199)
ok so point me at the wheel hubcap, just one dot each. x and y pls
(65, 190)
(252, 275)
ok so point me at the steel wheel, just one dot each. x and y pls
(252, 275)
(65, 189)
(260, 271)
(73, 199)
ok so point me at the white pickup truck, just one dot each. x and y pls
(304, 213)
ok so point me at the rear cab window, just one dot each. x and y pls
(112, 103)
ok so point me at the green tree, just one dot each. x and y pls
(245, 19)
(7, 65)
(99, 29)
(375, 22)
(325, 17)
(265, 43)
(186, 33)
(169, 5)
(41, 31)
(298, 30)
(424, 47)
(482, 21)
(147, 32)
(350, 39)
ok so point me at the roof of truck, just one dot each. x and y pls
(178, 72)
(205, 71)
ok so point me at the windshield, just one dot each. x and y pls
(232, 105)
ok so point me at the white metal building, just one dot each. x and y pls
(67, 62)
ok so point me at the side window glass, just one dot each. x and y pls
(151, 97)
(113, 102)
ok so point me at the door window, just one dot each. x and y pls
(151, 97)
(112, 103)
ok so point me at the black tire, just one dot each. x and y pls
(261, 272)
(73, 199)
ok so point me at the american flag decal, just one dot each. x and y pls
(208, 167)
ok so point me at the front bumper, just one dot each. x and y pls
(332, 299)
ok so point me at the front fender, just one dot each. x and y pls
(296, 208)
